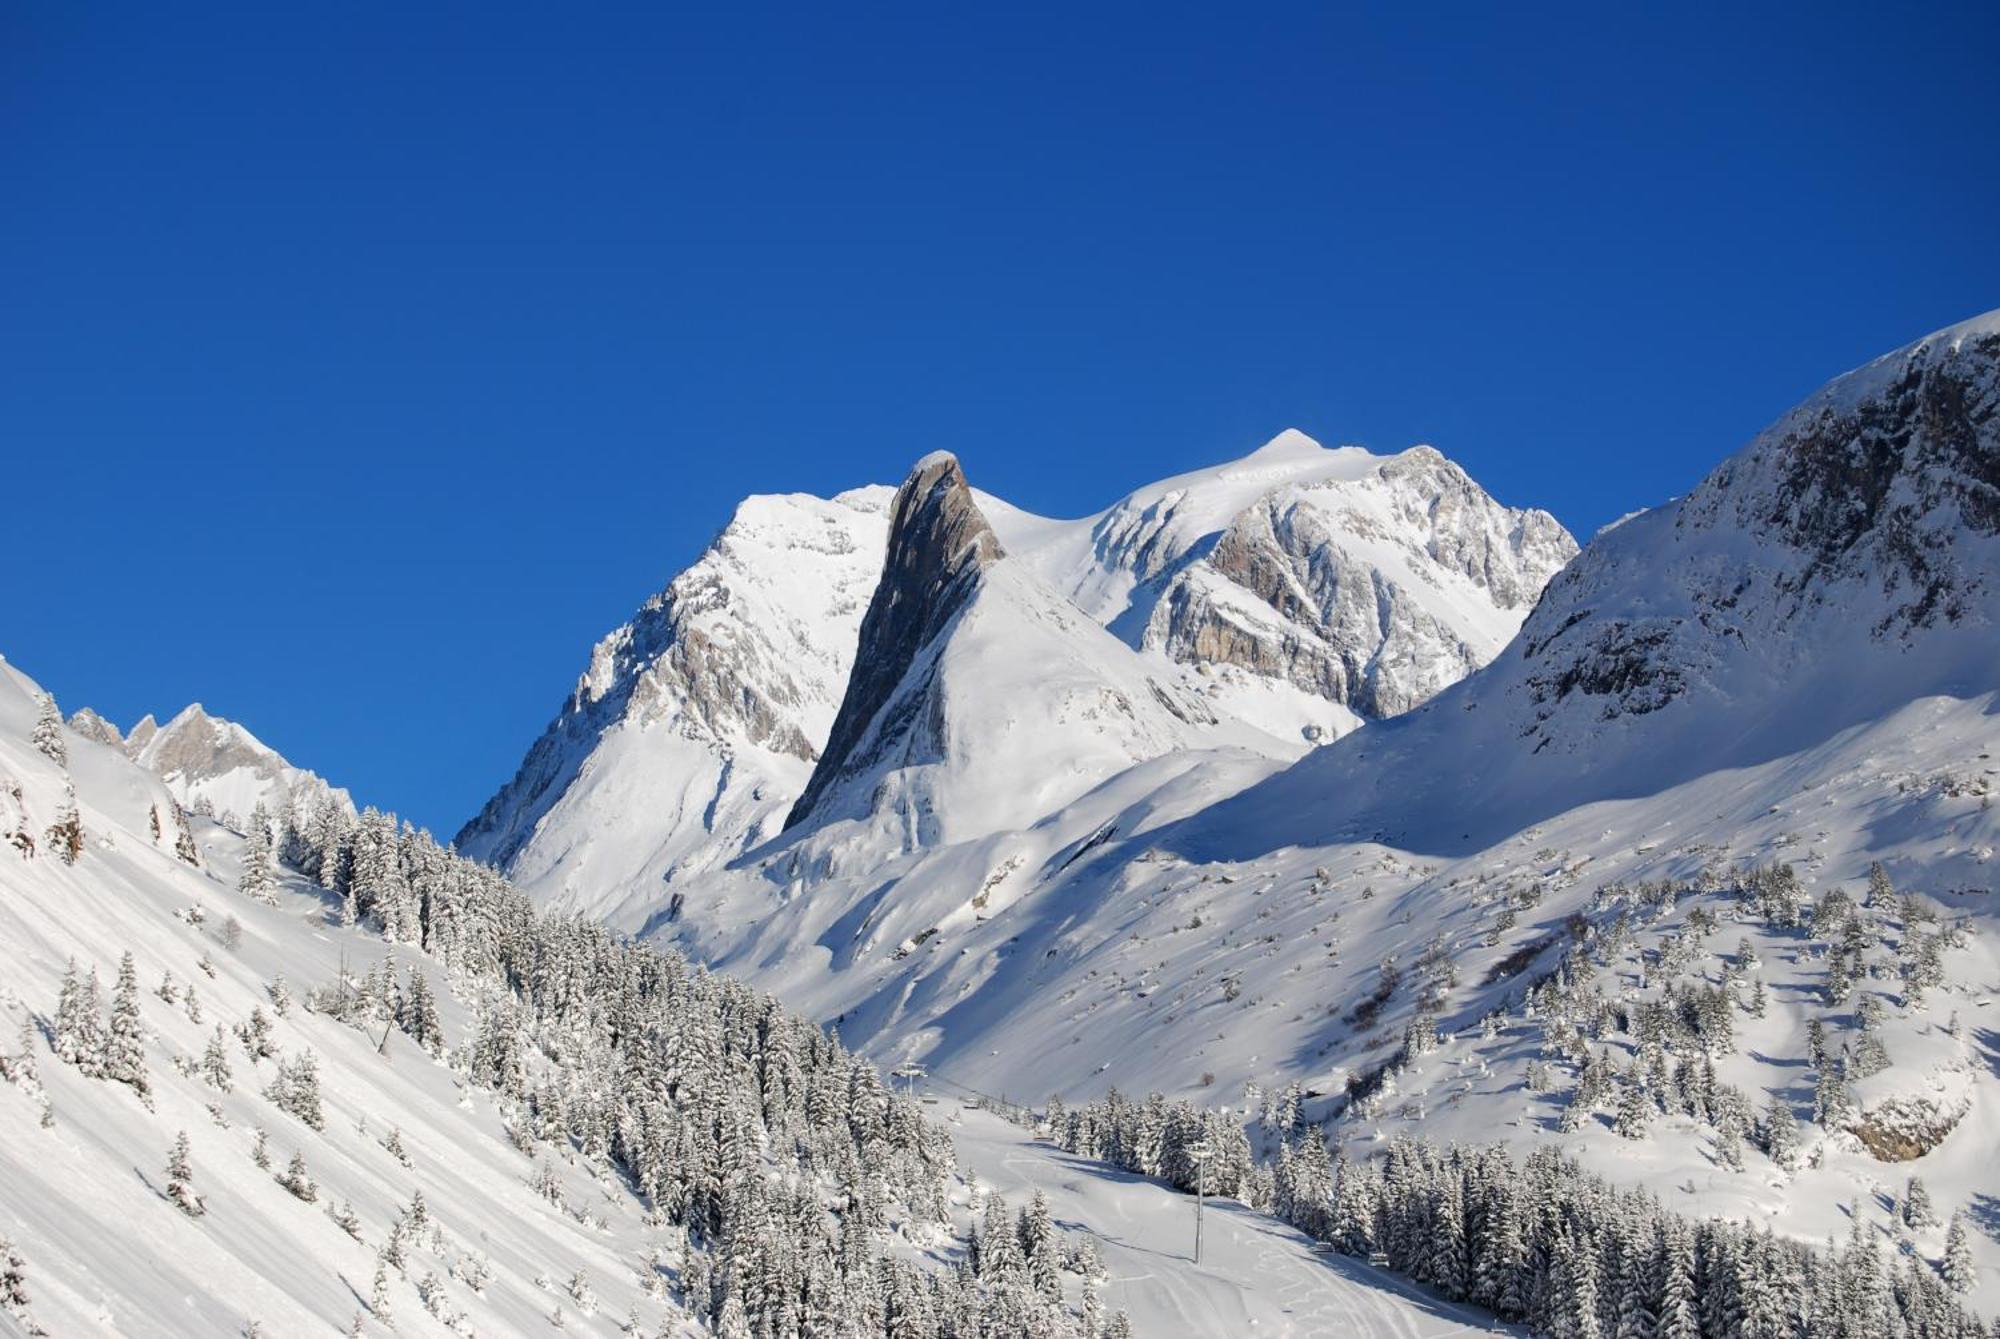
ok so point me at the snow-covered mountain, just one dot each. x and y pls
(212, 764)
(696, 725)
(1841, 566)
(1364, 580)
(1793, 667)
(1264, 604)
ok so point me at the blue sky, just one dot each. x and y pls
(360, 365)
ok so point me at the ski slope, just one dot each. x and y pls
(1256, 1277)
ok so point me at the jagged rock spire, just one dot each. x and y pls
(939, 543)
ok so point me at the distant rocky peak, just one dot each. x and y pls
(939, 544)
(90, 725)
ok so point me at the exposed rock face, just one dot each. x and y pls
(694, 725)
(938, 545)
(141, 734)
(1875, 506)
(92, 726)
(1902, 1129)
(1374, 591)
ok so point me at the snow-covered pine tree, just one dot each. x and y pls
(47, 734)
(184, 844)
(1915, 1210)
(295, 1089)
(65, 835)
(1956, 1268)
(297, 1179)
(13, 1277)
(1635, 1106)
(1781, 1133)
(418, 1016)
(259, 878)
(20, 1067)
(215, 1062)
(378, 1291)
(180, 1179)
(125, 1044)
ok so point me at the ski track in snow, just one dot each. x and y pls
(1257, 1275)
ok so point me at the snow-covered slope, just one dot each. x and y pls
(1793, 666)
(215, 765)
(1267, 603)
(568, 1134)
(82, 1162)
(1841, 566)
(697, 724)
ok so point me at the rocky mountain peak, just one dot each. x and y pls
(90, 725)
(1870, 512)
(939, 544)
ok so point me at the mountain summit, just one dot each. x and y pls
(824, 658)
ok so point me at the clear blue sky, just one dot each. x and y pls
(361, 364)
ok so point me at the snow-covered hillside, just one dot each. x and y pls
(503, 1124)
(1267, 604)
(507, 1123)
(1793, 667)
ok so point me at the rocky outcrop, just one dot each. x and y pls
(1872, 509)
(216, 764)
(93, 726)
(938, 545)
(1374, 592)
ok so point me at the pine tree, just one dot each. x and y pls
(1635, 1107)
(260, 1151)
(1916, 1208)
(418, 1016)
(20, 1067)
(259, 879)
(1781, 1134)
(215, 1062)
(47, 735)
(297, 1180)
(13, 1277)
(296, 1089)
(378, 1291)
(184, 844)
(1956, 1267)
(1039, 1245)
(75, 1031)
(180, 1179)
(1832, 1106)
(124, 1047)
(255, 1034)
(65, 835)
(345, 1218)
